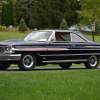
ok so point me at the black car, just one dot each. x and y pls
(62, 47)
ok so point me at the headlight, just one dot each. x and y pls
(8, 50)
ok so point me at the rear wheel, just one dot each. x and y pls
(65, 65)
(92, 62)
(4, 66)
(28, 62)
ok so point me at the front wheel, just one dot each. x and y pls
(28, 62)
(65, 65)
(92, 62)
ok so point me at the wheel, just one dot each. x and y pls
(92, 62)
(65, 66)
(27, 62)
(4, 66)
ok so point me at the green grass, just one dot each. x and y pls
(96, 37)
(50, 85)
(75, 84)
(12, 35)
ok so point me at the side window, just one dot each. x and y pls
(76, 38)
(62, 36)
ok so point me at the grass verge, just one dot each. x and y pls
(12, 35)
(50, 85)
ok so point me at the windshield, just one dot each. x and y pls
(38, 36)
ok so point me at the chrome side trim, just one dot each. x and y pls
(52, 49)
(92, 47)
(15, 55)
(10, 57)
(41, 49)
(85, 49)
(61, 61)
(68, 54)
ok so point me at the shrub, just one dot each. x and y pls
(3, 28)
(22, 26)
(63, 25)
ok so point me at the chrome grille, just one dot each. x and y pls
(1, 50)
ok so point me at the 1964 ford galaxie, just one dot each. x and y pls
(62, 47)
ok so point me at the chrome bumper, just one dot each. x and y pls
(10, 57)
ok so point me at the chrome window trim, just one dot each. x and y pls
(51, 36)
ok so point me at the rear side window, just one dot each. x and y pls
(76, 38)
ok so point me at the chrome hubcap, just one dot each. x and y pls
(93, 61)
(28, 61)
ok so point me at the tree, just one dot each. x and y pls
(90, 11)
(22, 26)
(22, 10)
(7, 17)
(63, 25)
(97, 27)
(1, 5)
(47, 13)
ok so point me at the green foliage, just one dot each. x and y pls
(90, 11)
(47, 13)
(64, 25)
(22, 26)
(40, 14)
(7, 17)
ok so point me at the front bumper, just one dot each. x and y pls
(10, 57)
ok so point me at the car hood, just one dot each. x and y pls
(21, 42)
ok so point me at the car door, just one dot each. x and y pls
(58, 48)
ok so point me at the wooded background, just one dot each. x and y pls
(43, 14)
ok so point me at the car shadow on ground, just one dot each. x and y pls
(47, 69)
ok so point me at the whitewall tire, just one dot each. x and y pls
(28, 62)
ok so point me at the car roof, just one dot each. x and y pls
(59, 30)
